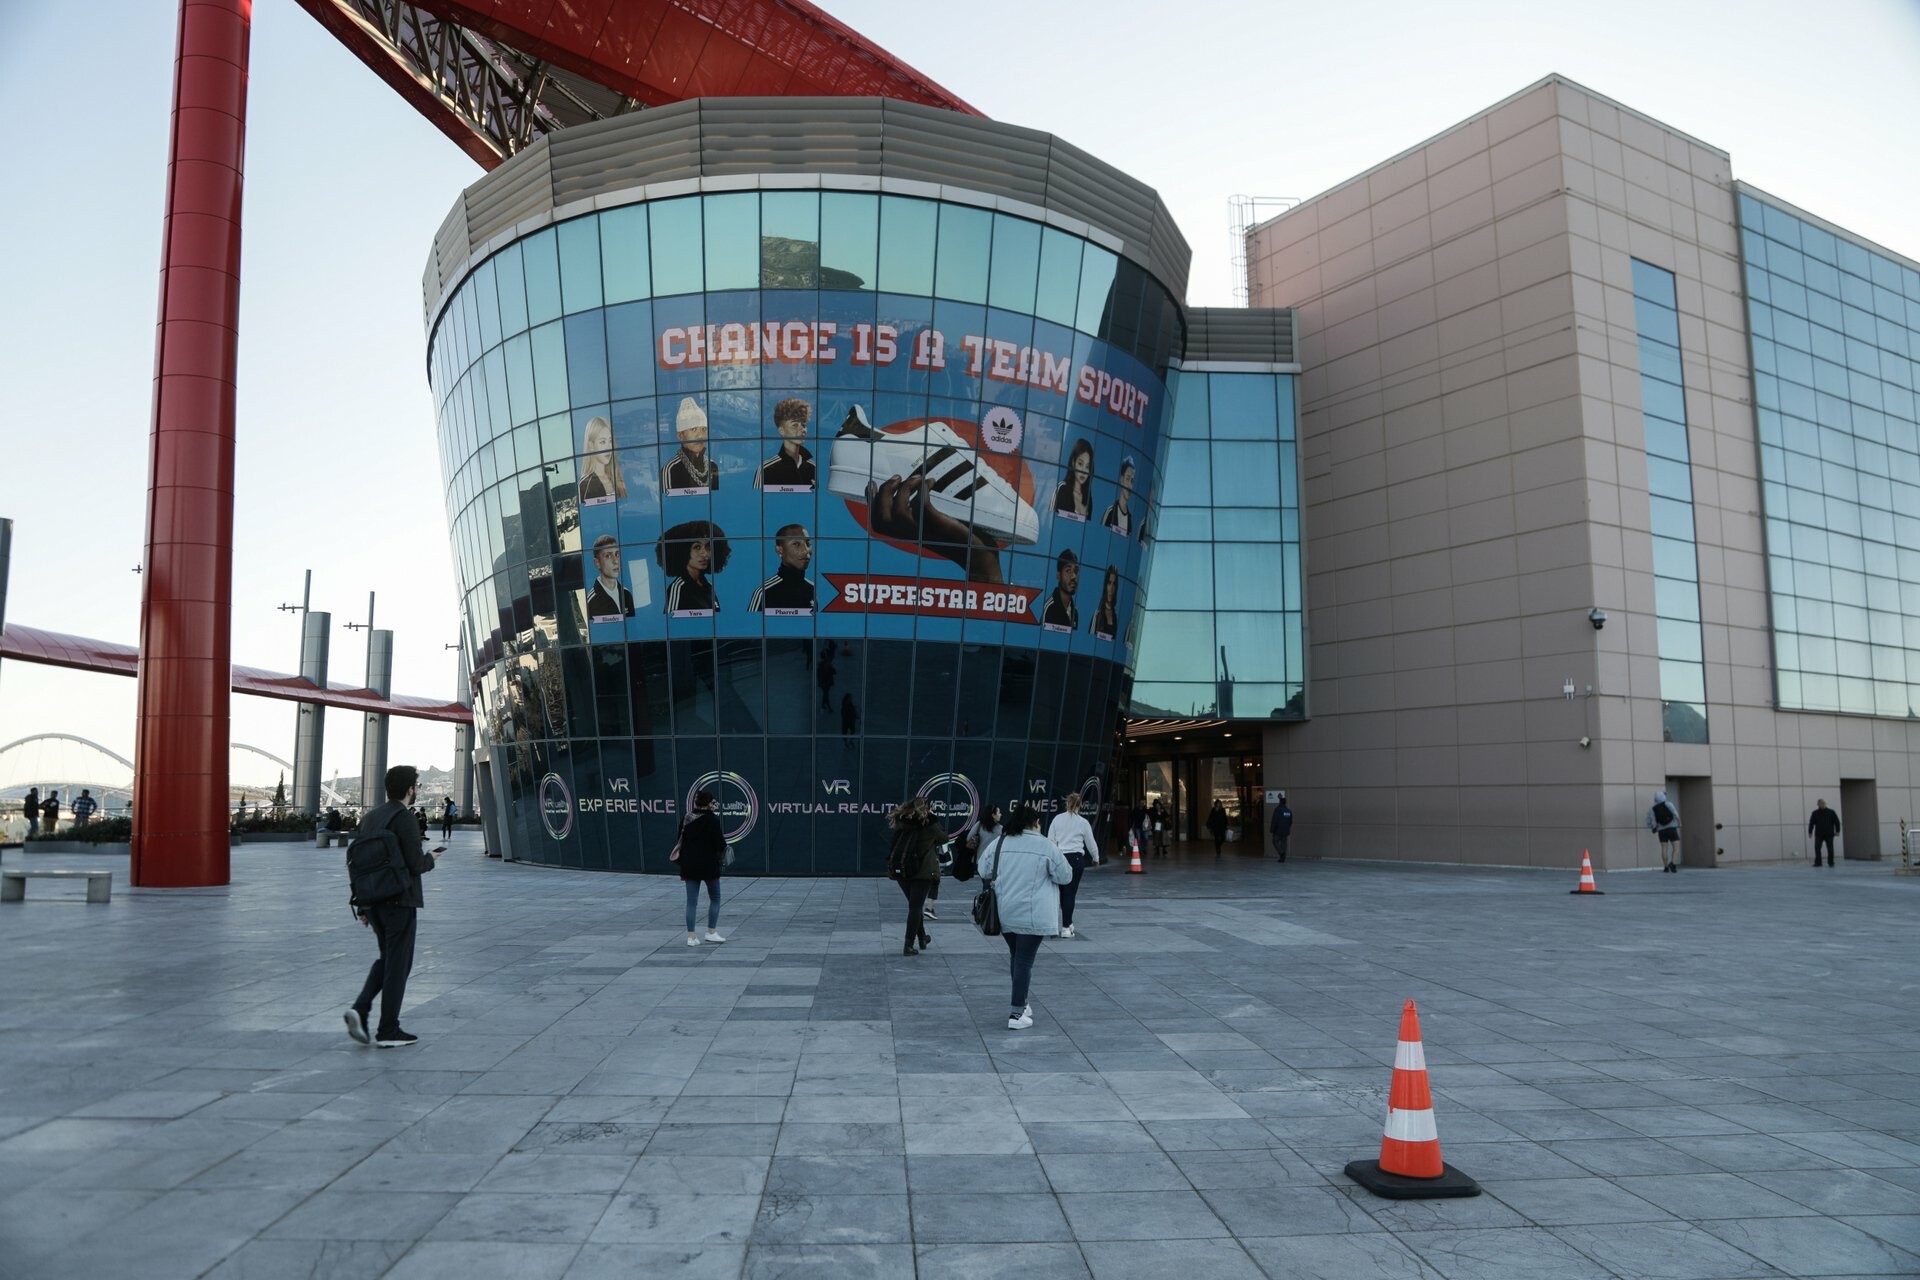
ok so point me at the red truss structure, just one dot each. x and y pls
(498, 74)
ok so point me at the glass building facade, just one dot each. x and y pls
(1676, 556)
(1221, 635)
(817, 499)
(1835, 328)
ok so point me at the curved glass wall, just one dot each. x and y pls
(816, 499)
(1224, 594)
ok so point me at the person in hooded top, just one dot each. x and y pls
(1663, 819)
(1027, 870)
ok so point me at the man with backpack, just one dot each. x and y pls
(1664, 821)
(385, 861)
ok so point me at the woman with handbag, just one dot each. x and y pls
(914, 861)
(1073, 836)
(702, 855)
(1024, 871)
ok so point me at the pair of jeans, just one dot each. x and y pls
(713, 902)
(1021, 949)
(1071, 889)
(916, 891)
(394, 927)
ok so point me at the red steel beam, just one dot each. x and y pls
(186, 605)
(55, 649)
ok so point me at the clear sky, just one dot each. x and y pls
(346, 184)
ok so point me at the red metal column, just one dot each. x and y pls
(180, 752)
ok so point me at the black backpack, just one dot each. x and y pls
(1662, 813)
(376, 869)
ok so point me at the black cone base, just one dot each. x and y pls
(1591, 893)
(1450, 1184)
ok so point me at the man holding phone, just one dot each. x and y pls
(393, 921)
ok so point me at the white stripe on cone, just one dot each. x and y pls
(1409, 1055)
(1412, 1126)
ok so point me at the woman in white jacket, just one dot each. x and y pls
(1027, 872)
(1072, 835)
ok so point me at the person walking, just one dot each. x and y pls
(1027, 870)
(30, 806)
(1217, 827)
(1158, 820)
(702, 855)
(446, 819)
(913, 862)
(1072, 835)
(1281, 827)
(1823, 824)
(1664, 821)
(394, 922)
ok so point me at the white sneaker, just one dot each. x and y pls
(714, 937)
(1028, 1012)
(1022, 1022)
(1066, 931)
(693, 942)
(956, 480)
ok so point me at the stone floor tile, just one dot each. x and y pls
(681, 1262)
(999, 1262)
(674, 1174)
(364, 1215)
(1014, 1217)
(828, 1262)
(677, 1219)
(493, 1260)
(1516, 1253)
(1154, 1259)
(1554, 1202)
(1667, 1250)
(1815, 1246)
(1140, 1215)
(1376, 1256)
(832, 1219)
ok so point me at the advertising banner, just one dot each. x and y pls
(823, 456)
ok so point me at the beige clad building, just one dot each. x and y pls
(1481, 468)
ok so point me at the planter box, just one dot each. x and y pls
(77, 846)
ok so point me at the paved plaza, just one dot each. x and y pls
(1704, 1075)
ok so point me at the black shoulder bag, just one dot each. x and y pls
(986, 907)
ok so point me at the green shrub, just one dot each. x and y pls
(99, 831)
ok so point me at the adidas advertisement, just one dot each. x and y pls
(808, 463)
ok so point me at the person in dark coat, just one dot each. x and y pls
(703, 856)
(913, 861)
(446, 818)
(50, 813)
(1823, 824)
(31, 807)
(1217, 827)
(393, 922)
(1158, 820)
(1282, 826)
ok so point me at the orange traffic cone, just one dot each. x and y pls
(1136, 869)
(1586, 876)
(1409, 1167)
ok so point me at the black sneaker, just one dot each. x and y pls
(394, 1039)
(357, 1026)
(931, 914)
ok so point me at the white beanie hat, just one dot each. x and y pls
(690, 417)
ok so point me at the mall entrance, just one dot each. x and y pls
(1187, 766)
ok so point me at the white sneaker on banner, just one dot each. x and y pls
(956, 479)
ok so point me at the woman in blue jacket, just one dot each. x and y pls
(1027, 870)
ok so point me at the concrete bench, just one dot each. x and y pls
(13, 883)
(327, 839)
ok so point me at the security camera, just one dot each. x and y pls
(1586, 742)
(1598, 617)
